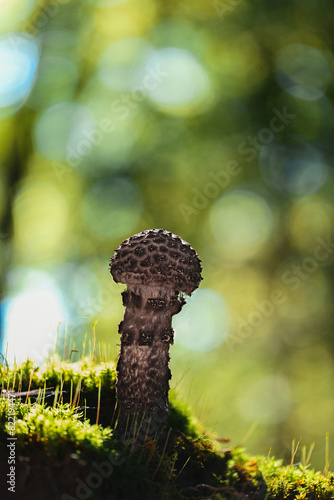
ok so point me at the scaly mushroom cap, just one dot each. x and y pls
(157, 257)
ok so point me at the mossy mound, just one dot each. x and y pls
(60, 452)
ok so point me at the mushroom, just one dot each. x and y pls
(157, 267)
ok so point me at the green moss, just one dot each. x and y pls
(61, 452)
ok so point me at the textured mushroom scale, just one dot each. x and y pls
(156, 257)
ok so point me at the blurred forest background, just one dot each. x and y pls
(214, 120)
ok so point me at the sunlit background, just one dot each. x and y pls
(213, 120)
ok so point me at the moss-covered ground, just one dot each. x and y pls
(65, 447)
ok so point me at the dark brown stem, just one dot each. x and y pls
(143, 373)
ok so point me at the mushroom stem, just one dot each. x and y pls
(155, 265)
(143, 373)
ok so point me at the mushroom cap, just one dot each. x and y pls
(156, 257)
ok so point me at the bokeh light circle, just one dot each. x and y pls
(14, 11)
(303, 71)
(177, 83)
(112, 207)
(65, 133)
(241, 222)
(19, 56)
(83, 288)
(204, 324)
(240, 65)
(121, 64)
(32, 314)
(295, 168)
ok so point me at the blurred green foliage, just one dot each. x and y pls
(213, 120)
